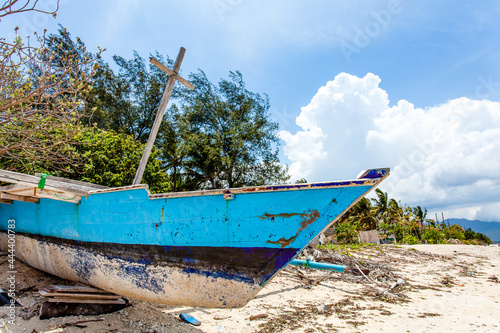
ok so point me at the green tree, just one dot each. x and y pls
(455, 232)
(361, 215)
(395, 212)
(140, 88)
(111, 159)
(420, 216)
(469, 234)
(347, 231)
(127, 101)
(393, 222)
(433, 236)
(381, 206)
(228, 136)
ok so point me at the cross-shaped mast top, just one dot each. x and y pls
(161, 109)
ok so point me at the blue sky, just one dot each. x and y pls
(425, 60)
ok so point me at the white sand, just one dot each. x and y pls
(447, 289)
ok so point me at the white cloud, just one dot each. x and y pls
(335, 125)
(445, 158)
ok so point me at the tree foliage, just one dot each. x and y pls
(41, 100)
(213, 137)
(227, 135)
(127, 102)
(409, 225)
(111, 159)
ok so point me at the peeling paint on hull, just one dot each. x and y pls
(171, 283)
(208, 248)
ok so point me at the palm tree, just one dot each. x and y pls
(420, 215)
(395, 212)
(395, 218)
(362, 212)
(381, 206)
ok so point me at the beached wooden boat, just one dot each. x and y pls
(214, 248)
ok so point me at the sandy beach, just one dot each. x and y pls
(420, 288)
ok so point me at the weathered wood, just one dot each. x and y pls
(78, 295)
(24, 191)
(51, 194)
(171, 72)
(32, 181)
(75, 182)
(8, 196)
(14, 188)
(159, 116)
(5, 201)
(51, 310)
(85, 301)
(121, 188)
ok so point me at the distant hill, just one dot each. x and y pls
(490, 229)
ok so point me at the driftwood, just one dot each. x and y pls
(258, 316)
(79, 296)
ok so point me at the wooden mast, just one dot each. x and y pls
(161, 110)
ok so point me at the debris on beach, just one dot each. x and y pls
(190, 319)
(258, 316)
(387, 286)
(63, 300)
(493, 278)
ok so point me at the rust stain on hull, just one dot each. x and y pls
(307, 219)
(283, 241)
(287, 215)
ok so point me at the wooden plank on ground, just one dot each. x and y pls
(82, 301)
(78, 295)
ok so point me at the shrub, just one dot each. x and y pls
(411, 240)
(433, 236)
(347, 232)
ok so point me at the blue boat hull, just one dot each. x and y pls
(208, 248)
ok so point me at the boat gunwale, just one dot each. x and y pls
(360, 181)
(266, 188)
(254, 189)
